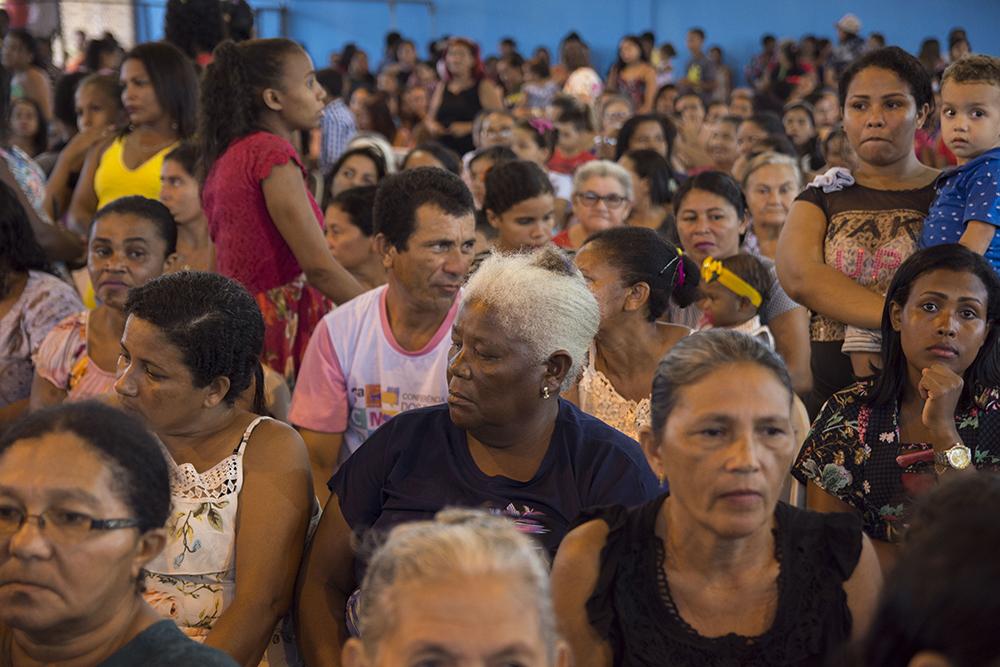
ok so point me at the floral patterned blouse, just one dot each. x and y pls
(852, 448)
(193, 580)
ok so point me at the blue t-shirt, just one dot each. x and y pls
(965, 193)
(419, 463)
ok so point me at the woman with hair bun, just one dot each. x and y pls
(634, 274)
(267, 228)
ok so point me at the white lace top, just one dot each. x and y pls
(193, 580)
(599, 398)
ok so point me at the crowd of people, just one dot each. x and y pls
(498, 360)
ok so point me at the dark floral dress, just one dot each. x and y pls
(852, 448)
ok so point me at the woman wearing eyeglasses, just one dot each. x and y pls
(602, 199)
(84, 494)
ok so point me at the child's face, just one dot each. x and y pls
(526, 225)
(477, 178)
(24, 120)
(722, 308)
(970, 118)
(569, 138)
(526, 148)
(798, 127)
(840, 153)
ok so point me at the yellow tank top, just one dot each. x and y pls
(113, 180)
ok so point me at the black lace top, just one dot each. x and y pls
(632, 609)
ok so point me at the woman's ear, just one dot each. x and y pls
(637, 296)
(896, 316)
(493, 219)
(557, 366)
(651, 448)
(172, 260)
(353, 654)
(922, 115)
(150, 545)
(272, 99)
(216, 391)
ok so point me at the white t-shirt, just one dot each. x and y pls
(355, 376)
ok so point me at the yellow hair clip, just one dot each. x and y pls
(713, 270)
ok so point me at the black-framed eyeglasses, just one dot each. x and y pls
(612, 201)
(60, 525)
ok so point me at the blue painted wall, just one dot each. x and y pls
(736, 25)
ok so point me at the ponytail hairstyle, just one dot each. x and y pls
(232, 91)
(641, 255)
(510, 183)
(174, 81)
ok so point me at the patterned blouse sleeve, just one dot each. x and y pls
(51, 302)
(834, 452)
(62, 348)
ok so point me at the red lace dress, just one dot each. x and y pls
(250, 249)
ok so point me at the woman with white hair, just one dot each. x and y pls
(469, 584)
(770, 182)
(505, 441)
(602, 199)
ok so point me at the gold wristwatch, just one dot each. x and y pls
(958, 456)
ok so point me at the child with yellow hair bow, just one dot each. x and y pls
(732, 292)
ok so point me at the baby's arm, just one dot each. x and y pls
(977, 236)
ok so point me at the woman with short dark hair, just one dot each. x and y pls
(83, 499)
(240, 482)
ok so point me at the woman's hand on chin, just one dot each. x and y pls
(940, 387)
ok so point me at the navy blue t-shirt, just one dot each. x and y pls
(419, 463)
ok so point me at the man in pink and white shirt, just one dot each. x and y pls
(386, 350)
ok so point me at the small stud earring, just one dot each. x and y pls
(545, 393)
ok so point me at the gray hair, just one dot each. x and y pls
(378, 142)
(695, 356)
(600, 169)
(765, 159)
(541, 300)
(457, 543)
